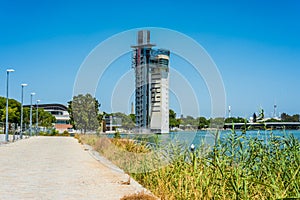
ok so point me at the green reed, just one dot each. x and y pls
(237, 167)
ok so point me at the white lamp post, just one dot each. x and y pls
(30, 125)
(6, 122)
(37, 116)
(22, 97)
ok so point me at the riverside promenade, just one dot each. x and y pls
(58, 168)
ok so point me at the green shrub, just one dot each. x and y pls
(53, 132)
(117, 135)
(41, 133)
(66, 133)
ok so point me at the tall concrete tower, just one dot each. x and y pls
(151, 85)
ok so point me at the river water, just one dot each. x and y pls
(208, 137)
(205, 136)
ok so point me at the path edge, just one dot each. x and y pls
(107, 163)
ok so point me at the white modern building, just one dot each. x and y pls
(61, 114)
(152, 85)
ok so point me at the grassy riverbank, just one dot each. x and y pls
(238, 167)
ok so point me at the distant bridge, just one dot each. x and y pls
(263, 125)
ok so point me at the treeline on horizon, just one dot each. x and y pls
(202, 122)
(84, 104)
(128, 121)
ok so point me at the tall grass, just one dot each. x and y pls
(125, 153)
(237, 167)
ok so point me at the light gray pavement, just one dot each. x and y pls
(57, 168)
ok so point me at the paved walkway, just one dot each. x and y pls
(57, 168)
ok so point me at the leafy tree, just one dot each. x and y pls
(13, 115)
(296, 118)
(26, 115)
(14, 109)
(217, 122)
(132, 116)
(173, 122)
(46, 119)
(234, 120)
(84, 112)
(172, 114)
(127, 121)
(203, 123)
(262, 114)
(287, 118)
(254, 117)
(189, 120)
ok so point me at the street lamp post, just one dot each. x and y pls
(22, 97)
(37, 116)
(6, 122)
(30, 124)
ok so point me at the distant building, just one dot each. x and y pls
(60, 112)
(112, 123)
(151, 85)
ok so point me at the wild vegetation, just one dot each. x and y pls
(237, 167)
(122, 152)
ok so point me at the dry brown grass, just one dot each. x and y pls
(130, 146)
(125, 153)
(139, 196)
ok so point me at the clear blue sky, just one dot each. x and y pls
(255, 44)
